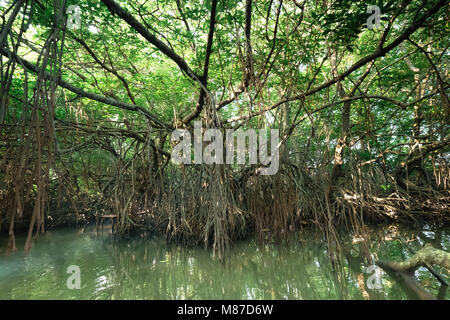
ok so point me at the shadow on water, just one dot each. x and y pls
(149, 268)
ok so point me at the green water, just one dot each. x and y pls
(151, 269)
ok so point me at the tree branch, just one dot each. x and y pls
(114, 8)
(81, 93)
(204, 78)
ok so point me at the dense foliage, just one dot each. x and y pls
(87, 112)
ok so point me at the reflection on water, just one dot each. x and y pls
(151, 269)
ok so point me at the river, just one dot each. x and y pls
(149, 268)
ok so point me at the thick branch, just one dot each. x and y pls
(114, 8)
(427, 254)
(204, 78)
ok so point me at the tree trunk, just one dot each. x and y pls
(427, 254)
(405, 269)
